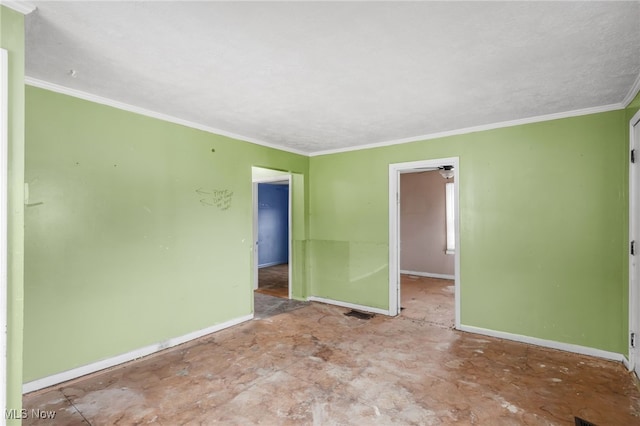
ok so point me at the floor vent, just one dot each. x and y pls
(359, 315)
(582, 422)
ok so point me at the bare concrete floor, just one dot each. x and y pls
(314, 365)
(265, 306)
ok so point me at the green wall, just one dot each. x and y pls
(12, 39)
(129, 244)
(136, 231)
(543, 227)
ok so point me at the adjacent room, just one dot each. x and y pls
(273, 238)
(319, 212)
(427, 245)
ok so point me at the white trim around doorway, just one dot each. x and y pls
(394, 226)
(272, 179)
(634, 235)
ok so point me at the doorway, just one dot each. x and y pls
(427, 246)
(395, 172)
(634, 242)
(272, 236)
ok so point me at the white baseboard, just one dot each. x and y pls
(626, 362)
(428, 274)
(129, 356)
(567, 347)
(266, 265)
(348, 305)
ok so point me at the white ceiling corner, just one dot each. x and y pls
(319, 77)
(632, 93)
(23, 7)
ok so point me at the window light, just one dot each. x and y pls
(450, 217)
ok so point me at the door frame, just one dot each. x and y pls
(395, 170)
(4, 241)
(272, 179)
(634, 235)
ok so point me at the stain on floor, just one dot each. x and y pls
(265, 306)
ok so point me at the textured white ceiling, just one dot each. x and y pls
(314, 76)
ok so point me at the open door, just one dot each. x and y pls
(297, 229)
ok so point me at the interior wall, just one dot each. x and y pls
(12, 39)
(273, 224)
(423, 226)
(559, 276)
(138, 230)
(543, 227)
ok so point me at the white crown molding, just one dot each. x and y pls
(19, 6)
(633, 91)
(481, 128)
(153, 114)
(126, 357)
(138, 110)
(567, 347)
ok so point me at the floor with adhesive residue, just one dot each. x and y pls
(314, 365)
(274, 280)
